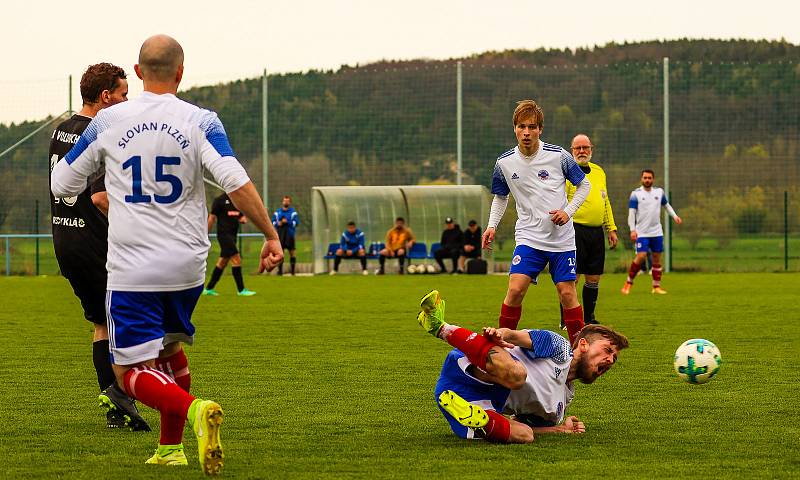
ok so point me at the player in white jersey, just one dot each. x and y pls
(644, 221)
(154, 149)
(536, 174)
(528, 374)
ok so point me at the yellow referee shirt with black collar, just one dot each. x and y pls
(596, 210)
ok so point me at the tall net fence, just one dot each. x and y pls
(733, 148)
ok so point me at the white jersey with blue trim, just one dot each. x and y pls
(538, 184)
(546, 393)
(154, 149)
(647, 204)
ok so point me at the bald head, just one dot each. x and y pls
(160, 58)
(582, 149)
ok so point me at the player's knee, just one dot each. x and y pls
(339, 252)
(515, 294)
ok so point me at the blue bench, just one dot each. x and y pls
(434, 247)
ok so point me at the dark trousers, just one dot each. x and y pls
(447, 252)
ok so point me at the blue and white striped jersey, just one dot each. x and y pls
(538, 184)
(546, 393)
(154, 149)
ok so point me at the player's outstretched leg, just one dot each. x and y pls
(205, 417)
(431, 318)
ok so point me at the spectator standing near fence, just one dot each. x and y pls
(399, 240)
(452, 242)
(285, 221)
(593, 220)
(351, 245)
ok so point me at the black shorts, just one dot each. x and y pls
(287, 241)
(90, 288)
(590, 250)
(476, 253)
(227, 245)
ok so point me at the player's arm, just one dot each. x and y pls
(99, 195)
(633, 205)
(665, 203)
(275, 219)
(500, 191)
(573, 173)
(361, 241)
(295, 220)
(218, 158)
(571, 425)
(608, 219)
(211, 219)
(69, 175)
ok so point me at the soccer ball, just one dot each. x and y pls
(412, 269)
(431, 269)
(697, 360)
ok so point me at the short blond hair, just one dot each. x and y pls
(528, 108)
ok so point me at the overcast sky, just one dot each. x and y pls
(45, 41)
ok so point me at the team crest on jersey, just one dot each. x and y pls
(543, 174)
(516, 260)
(514, 176)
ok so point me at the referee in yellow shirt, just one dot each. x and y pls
(591, 219)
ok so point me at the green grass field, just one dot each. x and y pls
(330, 377)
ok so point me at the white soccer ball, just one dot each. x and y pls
(431, 269)
(697, 360)
(412, 269)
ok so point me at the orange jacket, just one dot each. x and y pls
(397, 238)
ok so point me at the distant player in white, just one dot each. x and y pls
(154, 149)
(528, 374)
(644, 221)
(536, 174)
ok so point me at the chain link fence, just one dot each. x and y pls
(733, 149)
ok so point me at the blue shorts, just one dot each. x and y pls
(141, 323)
(454, 377)
(651, 244)
(530, 261)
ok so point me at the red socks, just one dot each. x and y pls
(509, 316)
(573, 320)
(157, 390)
(498, 430)
(177, 367)
(656, 275)
(474, 345)
(633, 270)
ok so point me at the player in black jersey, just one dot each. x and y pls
(80, 231)
(228, 218)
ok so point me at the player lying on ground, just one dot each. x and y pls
(528, 374)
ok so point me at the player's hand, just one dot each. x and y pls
(495, 335)
(487, 238)
(634, 236)
(271, 255)
(612, 239)
(559, 217)
(573, 425)
(678, 220)
(468, 248)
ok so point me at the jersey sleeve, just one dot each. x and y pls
(360, 238)
(343, 241)
(217, 155)
(275, 219)
(499, 184)
(547, 344)
(295, 219)
(572, 171)
(633, 202)
(664, 200)
(70, 175)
